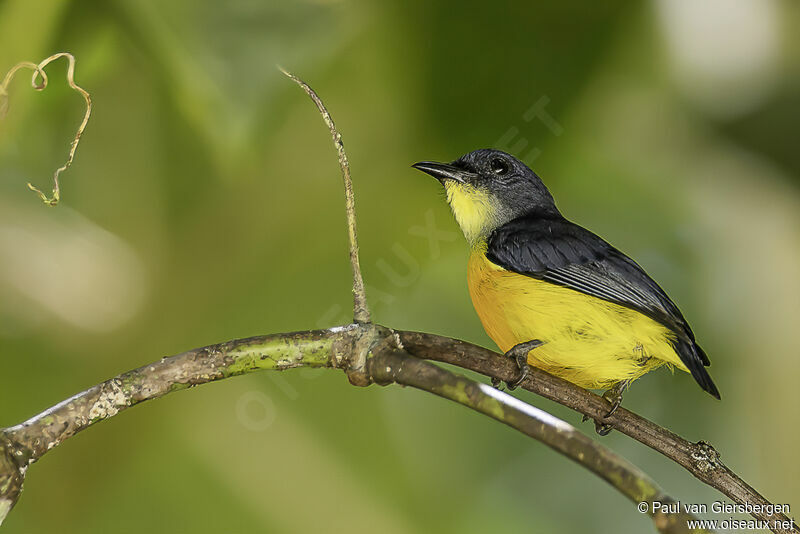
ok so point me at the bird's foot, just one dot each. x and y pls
(614, 397)
(519, 353)
(603, 429)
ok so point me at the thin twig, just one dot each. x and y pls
(638, 487)
(360, 307)
(7, 80)
(39, 70)
(700, 459)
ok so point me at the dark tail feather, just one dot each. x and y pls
(696, 361)
(702, 354)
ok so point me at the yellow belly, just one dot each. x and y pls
(588, 341)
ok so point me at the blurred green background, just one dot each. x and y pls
(205, 204)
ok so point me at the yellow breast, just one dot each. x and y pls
(588, 341)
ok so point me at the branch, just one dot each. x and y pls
(371, 348)
(360, 307)
(38, 70)
(700, 459)
(355, 349)
(24, 444)
(319, 348)
(397, 367)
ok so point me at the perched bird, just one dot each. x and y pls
(553, 294)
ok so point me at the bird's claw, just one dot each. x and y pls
(614, 397)
(523, 374)
(519, 353)
(603, 429)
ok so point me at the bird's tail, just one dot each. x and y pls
(696, 361)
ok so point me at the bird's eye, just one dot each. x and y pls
(498, 166)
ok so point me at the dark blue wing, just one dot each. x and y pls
(563, 253)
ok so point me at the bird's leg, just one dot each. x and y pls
(614, 397)
(519, 353)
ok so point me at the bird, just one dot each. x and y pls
(554, 295)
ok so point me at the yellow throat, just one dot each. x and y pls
(475, 211)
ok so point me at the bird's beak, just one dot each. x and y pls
(443, 171)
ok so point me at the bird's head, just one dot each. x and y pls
(487, 188)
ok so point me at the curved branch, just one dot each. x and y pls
(23, 444)
(700, 459)
(351, 348)
(316, 348)
(369, 350)
(360, 307)
(397, 367)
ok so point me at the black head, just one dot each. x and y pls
(501, 182)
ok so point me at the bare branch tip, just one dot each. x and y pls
(284, 71)
(360, 308)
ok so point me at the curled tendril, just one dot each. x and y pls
(39, 83)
